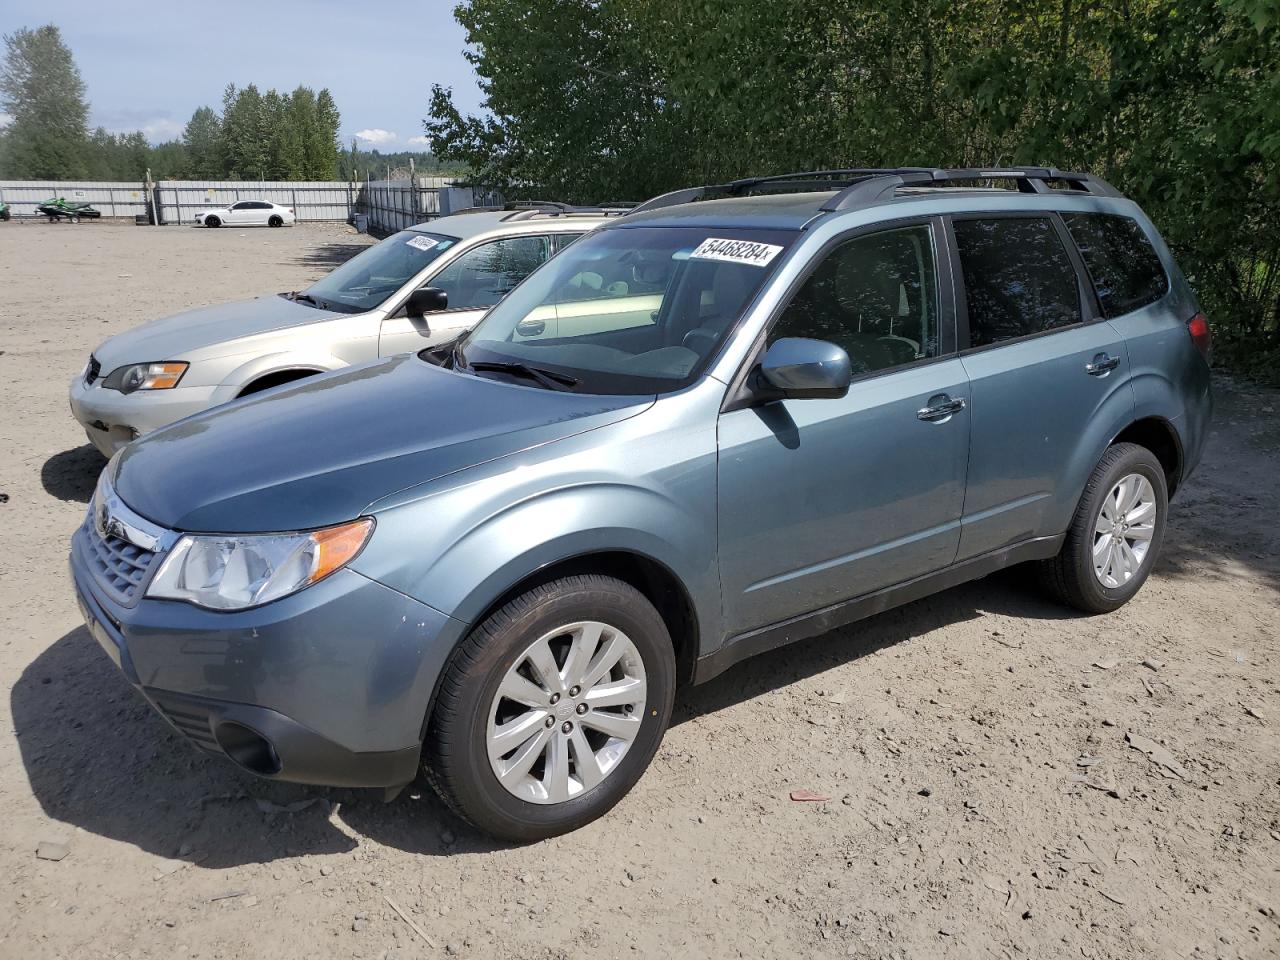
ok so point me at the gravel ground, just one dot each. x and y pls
(984, 801)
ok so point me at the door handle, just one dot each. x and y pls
(940, 409)
(1101, 365)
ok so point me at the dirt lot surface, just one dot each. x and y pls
(983, 799)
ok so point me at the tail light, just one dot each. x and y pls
(1198, 327)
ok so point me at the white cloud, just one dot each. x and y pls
(5, 120)
(419, 141)
(377, 136)
(160, 130)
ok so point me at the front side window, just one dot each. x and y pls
(485, 274)
(627, 310)
(1126, 272)
(1018, 278)
(876, 296)
(368, 279)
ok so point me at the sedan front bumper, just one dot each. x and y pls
(111, 418)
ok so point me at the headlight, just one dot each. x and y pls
(145, 376)
(234, 572)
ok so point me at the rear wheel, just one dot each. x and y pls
(1115, 535)
(275, 221)
(212, 221)
(552, 708)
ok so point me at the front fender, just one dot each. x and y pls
(313, 361)
(461, 569)
(469, 540)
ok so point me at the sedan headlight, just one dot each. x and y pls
(235, 572)
(145, 376)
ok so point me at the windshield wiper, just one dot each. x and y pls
(548, 378)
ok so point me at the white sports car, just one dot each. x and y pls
(248, 213)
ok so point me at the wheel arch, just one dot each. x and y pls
(655, 580)
(277, 378)
(1159, 436)
(232, 385)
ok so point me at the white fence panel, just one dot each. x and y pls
(391, 205)
(180, 200)
(115, 199)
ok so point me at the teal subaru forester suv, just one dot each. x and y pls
(739, 416)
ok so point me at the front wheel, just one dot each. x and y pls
(552, 708)
(1115, 535)
(212, 221)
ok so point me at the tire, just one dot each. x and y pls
(275, 221)
(212, 221)
(456, 754)
(1072, 575)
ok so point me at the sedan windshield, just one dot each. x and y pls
(626, 310)
(373, 275)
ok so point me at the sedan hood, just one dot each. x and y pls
(173, 338)
(320, 451)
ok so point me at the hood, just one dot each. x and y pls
(173, 338)
(320, 451)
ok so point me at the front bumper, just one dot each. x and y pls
(111, 418)
(328, 686)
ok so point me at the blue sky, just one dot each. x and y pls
(149, 65)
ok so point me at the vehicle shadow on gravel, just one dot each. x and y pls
(1011, 593)
(72, 474)
(326, 256)
(98, 758)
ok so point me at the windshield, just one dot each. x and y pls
(370, 277)
(627, 310)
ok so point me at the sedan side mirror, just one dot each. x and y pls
(426, 300)
(799, 368)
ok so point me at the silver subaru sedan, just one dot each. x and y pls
(417, 288)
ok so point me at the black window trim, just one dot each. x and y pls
(1090, 311)
(399, 314)
(738, 396)
(1164, 269)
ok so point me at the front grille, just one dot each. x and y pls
(93, 370)
(191, 719)
(119, 566)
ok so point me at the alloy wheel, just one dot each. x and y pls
(1123, 530)
(567, 712)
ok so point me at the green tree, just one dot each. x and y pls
(299, 130)
(324, 146)
(1177, 103)
(202, 139)
(41, 89)
(245, 134)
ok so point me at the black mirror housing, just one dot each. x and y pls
(426, 300)
(800, 369)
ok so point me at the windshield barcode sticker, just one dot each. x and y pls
(422, 243)
(736, 251)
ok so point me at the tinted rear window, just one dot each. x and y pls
(1018, 278)
(1125, 269)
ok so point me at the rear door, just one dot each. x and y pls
(474, 281)
(1045, 372)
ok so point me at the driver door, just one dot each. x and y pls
(474, 281)
(824, 500)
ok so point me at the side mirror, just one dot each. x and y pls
(426, 300)
(799, 368)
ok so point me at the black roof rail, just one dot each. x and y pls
(866, 186)
(882, 186)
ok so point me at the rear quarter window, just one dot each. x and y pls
(1127, 274)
